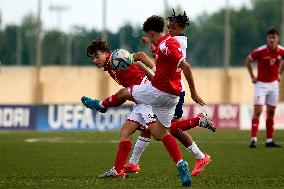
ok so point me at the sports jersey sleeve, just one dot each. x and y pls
(255, 54)
(175, 53)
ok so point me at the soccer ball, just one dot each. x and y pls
(120, 60)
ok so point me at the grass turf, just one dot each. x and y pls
(74, 159)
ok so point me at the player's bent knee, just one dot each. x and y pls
(270, 114)
(156, 136)
(257, 112)
(121, 93)
(126, 131)
(124, 94)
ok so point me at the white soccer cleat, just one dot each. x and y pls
(111, 173)
(205, 122)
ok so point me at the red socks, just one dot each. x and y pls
(124, 148)
(112, 101)
(269, 128)
(183, 125)
(254, 127)
(172, 147)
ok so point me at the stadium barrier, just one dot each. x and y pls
(57, 117)
(246, 114)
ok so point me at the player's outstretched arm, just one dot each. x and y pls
(141, 56)
(142, 67)
(248, 63)
(189, 77)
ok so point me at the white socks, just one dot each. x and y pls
(195, 150)
(179, 161)
(254, 139)
(140, 145)
(101, 104)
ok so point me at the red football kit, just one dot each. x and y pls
(268, 61)
(167, 77)
(127, 78)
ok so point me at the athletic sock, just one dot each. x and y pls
(269, 129)
(254, 127)
(112, 101)
(193, 148)
(172, 148)
(124, 148)
(140, 145)
(254, 139)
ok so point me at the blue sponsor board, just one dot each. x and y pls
(17, 117)
(77, 117)
(61, 118)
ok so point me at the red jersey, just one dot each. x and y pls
(167, 77)
(129, 77)
(268, 62)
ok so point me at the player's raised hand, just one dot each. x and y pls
(196, 98)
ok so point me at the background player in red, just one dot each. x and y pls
(266, 89)
(163, 91)
(176, 26)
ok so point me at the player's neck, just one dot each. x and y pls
(180, 34)
(272, 47)
(158, 37)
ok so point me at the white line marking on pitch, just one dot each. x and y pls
(62, 140)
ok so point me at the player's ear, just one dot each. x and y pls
(150, 34)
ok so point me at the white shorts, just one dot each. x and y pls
(266, 93)
(142, 114)
(163, 104)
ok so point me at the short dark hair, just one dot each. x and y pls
(154, 23)
(181, 20)
(272, 31)
(97, 44)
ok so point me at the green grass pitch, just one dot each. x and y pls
(74, 159)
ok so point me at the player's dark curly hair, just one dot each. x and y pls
(154, 23)
(181, 20)
(272, 31)
(97, 44)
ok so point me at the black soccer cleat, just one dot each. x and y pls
(252, 144)
(272, 145)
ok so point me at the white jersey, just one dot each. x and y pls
(183, 44)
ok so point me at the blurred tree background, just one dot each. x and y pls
(205, 38)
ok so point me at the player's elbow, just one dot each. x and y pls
(247, 61)
(184, 66)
